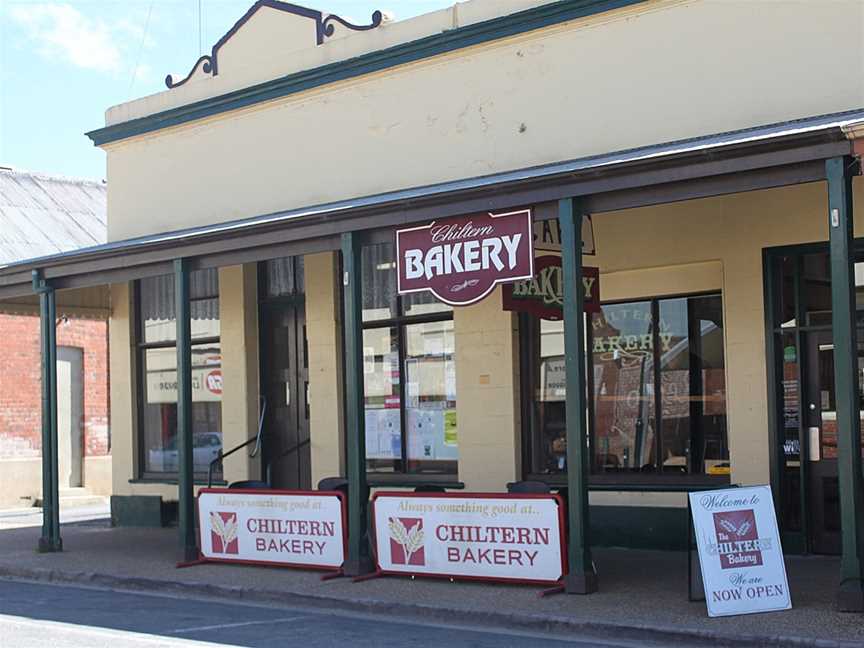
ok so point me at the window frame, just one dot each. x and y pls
(656, 481)
(141, 348)
(400, 474)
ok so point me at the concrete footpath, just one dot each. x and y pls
(643, 594)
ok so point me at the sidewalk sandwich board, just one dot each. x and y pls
(273, 527)
(477, 536)
(739, 551)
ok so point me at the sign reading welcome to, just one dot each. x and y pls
(289, 528)
(479, 536)
(739, 551)
(461, 260)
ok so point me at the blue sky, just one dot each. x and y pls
(63, 63)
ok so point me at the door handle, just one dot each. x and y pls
(815, 446)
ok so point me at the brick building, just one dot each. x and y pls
(39, 216)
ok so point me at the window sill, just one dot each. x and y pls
(657, 484)
(413, 481)
(173, 482)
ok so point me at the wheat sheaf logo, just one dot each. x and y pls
(406, 541)
(223, 532)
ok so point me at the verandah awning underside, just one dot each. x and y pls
(765, 157)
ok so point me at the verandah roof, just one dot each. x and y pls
(762, 157)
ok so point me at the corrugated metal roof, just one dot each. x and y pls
(43, 215)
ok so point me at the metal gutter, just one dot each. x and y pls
(830, 127)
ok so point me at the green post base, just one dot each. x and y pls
(359, 567)
(47, 545)
(583, 583)
(850, 597)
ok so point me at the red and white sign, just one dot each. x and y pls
(289, 528)
(474, 536)
(543, 294)
(739, 551)
(461, 260)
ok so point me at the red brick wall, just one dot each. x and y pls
(20, 383)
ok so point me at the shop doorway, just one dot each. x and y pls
(821, 417)
(70, 416)
(805, 417)
(285, 374)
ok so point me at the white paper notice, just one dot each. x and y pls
(739, 551)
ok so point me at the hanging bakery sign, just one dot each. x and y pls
(543, 294)
(461, 260)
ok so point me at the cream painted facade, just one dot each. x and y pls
(511, 104)
(610, 82)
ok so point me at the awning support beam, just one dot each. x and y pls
(840, 220)
(359, 561)
(582, 577)
(50, 540)
(186, 474)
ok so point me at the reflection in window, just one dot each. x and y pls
(678, 428)
(158, 372)
(409, 374)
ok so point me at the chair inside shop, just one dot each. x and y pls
(529, 487)
(339, 484)
(251, 484)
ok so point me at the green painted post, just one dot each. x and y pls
(582, 577)
(359, 561)
(838, 172)
(186, 476)
(50, 540)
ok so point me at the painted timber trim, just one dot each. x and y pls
(511, 25)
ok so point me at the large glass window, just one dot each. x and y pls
(157, 361)
(409, 374)
(657, 380)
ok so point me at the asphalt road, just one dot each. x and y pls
(33, 615)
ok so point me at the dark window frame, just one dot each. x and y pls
(141, 348)
(597, 480)
(400, 322)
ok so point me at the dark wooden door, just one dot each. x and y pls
(285, 386)
(821, 413)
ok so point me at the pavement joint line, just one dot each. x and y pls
(549, 624)
(239, 624)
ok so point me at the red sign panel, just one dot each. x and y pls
(460, 260)
(543, 294)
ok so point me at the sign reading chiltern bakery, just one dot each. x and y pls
(739, 551)
(543, 294)
(477, 536)
(288, 528)
(461, 260)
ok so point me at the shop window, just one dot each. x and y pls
(157, 362)
(658, 405)
(409, 373)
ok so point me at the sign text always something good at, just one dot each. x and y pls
(290, 528)
(494, 537)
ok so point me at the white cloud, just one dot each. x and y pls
(61, 32)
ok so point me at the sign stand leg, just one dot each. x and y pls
(333, 576)
(191, 563)
(366, 577)
(560, 588)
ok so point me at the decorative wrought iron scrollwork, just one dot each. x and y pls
(328, 28)
(324, 28)
(206, 63)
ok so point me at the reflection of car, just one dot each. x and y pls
(205, 448)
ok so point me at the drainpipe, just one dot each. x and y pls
(359, 561)
(582, 576)
(186, 475)
(50, 540)
(839, 172)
